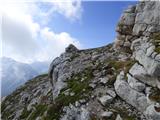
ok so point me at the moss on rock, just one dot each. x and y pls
(122, 65)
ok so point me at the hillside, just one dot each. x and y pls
(119, 81)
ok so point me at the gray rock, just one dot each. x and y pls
(92, 85)
(32, 103)
(127, 44)
(127, 19)
(72, 94)
(118, 117)
(106, 114)
(151, 66)
(150, 51)
(18, 114)
(25, 98)
(138, 72)
(151, 113)
(131, 96)
(38, 118)
(157, 57)
(71, 48)
(147, 15)
(142, 48)
(111, 92)
(106, 99)
(148, 90)
(133, 41)
(84, 114)
(82, 101)
(104, 80)
(135, 84)
(77, 104)
(75, 113)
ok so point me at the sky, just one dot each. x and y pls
(40, 31)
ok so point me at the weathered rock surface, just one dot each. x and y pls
(133, 97)
(119, 81)
(146, 70)
(107, 99)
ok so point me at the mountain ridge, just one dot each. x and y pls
(120, 81)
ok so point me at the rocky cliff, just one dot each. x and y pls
(120, 81)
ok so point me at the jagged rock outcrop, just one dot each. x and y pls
(71, 49)
(119, 81)
(143, 23)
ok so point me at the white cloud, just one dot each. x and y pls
(19, 34)
(70, 8)
(26, 40)
(20, 31)
(54, 43)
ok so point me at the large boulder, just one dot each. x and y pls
(133, 97)
(71, 48)
(136, 98)
(138, 72)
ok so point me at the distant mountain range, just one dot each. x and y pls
(14, 73)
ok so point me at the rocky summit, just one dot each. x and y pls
(119, 81)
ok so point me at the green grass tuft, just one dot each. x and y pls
(156, 41)
(39, 111)
(74, 85)
(25, 113)
(122, 65)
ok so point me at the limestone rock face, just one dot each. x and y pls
(146, 70)
(130, 95)
(71, 48)
(119, 81)
(147, 19)
(140, 47)
(138, 21)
